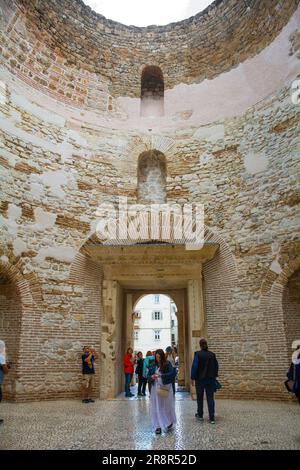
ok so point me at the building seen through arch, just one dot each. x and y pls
(155, 324)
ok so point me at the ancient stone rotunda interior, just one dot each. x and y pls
(203, 111)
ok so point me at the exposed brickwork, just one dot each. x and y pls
(82, 58)
(59, 163)
(291, 309)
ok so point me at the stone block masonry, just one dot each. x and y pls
(68, 143)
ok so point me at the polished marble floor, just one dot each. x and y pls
(124, 424)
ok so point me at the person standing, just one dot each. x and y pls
(294, 371)
(142, 382)
(162, 401)
(88, 373)
(149, 368)
(204, 372)
(170, 356)
(3, 368)
(128, 363)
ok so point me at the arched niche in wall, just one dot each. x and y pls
(152, 173)
(152, 92)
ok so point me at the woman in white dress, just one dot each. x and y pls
(162, 401)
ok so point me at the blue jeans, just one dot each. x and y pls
(209, 386)
(128, 378)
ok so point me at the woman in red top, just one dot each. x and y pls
(128, 362)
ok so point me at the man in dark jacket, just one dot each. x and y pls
(204, 372)
(139, 371)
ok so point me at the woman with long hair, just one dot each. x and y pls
(170, 356)
(162, 402)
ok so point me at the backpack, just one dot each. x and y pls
(146, 364)
(151, 371)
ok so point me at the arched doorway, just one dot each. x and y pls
(128, 272)
(155, 324)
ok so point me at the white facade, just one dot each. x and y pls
(155, 324)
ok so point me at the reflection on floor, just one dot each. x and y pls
(181, 394)
(125, 424)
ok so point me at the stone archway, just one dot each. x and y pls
(279, 306)
(179, 297)
(16, 307)
(119, 270)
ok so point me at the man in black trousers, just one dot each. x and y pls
(204, 372)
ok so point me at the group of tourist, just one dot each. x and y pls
(158, 370)
(144, 367)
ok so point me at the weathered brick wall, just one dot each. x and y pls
(80, 57)
(58, 164)
(291, 309)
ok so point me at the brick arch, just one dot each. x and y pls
(86, 278)
(220, 278)
(220, 272)
(288, 259)
(145, 143)
(87, 275)
(19, 303)
(14, 275)
(273, 288)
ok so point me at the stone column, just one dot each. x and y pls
(196, 322)
(181, 342)
(129, 321)
(111, 338)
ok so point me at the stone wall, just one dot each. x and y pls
(291, 309)
(200, 47)
(60, 160)
(80, 57)
(10, 318)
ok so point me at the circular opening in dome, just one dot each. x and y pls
(142, 13)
